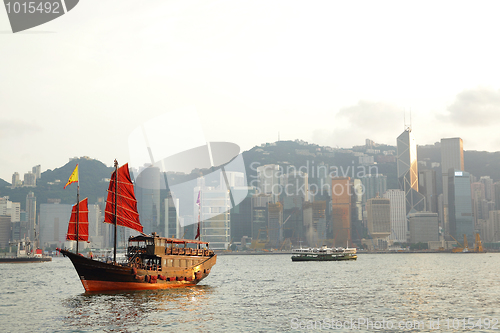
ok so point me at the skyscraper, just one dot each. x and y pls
(452, 156)
(408, 172)
(461, 219)
(269, 180)
(341, 210)
(15, 179)
(427, 186)
(373, 185)
(215, 205)
(37, 171)
(147, 191)
(399, 227)
(31, 215)
(171, 225)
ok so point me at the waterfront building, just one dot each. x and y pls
(259, 216)
(147, 192)
(357, 227)
(295, 194)
(378, 213)
(461, 220)
(241, 215)
(496, 189)
(96, 218)
(452, 156)
(270, 181)
(373, 185)
(315, 222)
(9, 208)
(54, 220)
(478, 195)
(171, 226)
(341, 210)
(428, 187)
(399, 225)
(424, 227)
(5, 231)
(31, 215)
(275, 224)
(214, 211)
(489, 191)
(407, 168)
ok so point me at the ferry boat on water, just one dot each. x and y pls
(324, 254)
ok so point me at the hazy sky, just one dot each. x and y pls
(328, 72)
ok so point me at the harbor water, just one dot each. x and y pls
(268, 293)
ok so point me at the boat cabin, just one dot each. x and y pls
(154, 252)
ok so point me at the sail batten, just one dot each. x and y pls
(83, 222)
(126, 205)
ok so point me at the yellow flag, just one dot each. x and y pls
(73, 178)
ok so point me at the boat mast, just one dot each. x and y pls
(77, 213)
(116, 203)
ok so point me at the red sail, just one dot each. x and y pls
(83, 222)
(126, 210)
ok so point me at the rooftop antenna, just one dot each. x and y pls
(407, 127)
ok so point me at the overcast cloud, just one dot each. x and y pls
(474, 107)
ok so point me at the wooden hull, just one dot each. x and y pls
(98, 276)
(23, 260)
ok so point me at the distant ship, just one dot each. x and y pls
(152, 262)
(324, 254)
(25, 254)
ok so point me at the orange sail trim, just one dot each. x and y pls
(83, 222)
(126, 205)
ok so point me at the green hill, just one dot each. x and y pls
(51, 184)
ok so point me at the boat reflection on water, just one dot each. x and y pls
(136, 310)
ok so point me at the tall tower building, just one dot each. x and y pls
(427, 186)
(399, 227)
(408, 172)
(269, 180)
(171, 227)
(215, 206)
(15, 179)
(37, 171)
(452, 156)
(460, 204)
(373, 185)
(341, 210)
(31, 215)
(259, 216)
(147, 191)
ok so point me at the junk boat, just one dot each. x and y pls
(152, 262)
(324, 254)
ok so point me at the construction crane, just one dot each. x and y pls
(478, 246)
(457, 249)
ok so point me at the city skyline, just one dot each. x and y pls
(329, 73)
